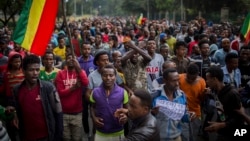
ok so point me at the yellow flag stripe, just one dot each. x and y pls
(33, 22)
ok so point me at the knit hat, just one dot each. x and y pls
(162, 36)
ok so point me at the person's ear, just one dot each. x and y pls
(146, 109)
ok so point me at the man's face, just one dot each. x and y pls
(135, 108)
(119, 29)
(49, 48)
(132, 33)
(3, 46)
(134, 58)
(108, 77)
(181, 51)
(152, 33)
(117, 63)
(16, 63)
(116, 55)
(151, 46)
(164, 52)
(225, 44)
(196, 49)
(167, 66)
(233, 63)
(210, 81)
(32, 73)
(191, 78)
(69, 61)
(98, 39)
(245, 55)
(92, 39)
(76, 33)
(172, 82)
(48, 60)
(102, 61)
(86, 50)
(205, 49)
(61, 42)
(17, 47)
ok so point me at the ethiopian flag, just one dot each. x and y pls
(139, 20)
(245, 30)
(36, 24)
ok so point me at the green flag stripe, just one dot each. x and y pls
(22, 23)
(245, 26)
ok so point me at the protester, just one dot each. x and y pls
(61, 49)
(144, 125)
(153, 68)
(231, 72)
(194, 87)
(169, 123)
(220, 54)
(134, 63)
(179, 59)
(105, 99)
(69, 83)
(48, 72)
(227, 102)
(38, 107)
(86, 61)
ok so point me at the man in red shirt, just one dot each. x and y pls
(39, 113)
(69, 83)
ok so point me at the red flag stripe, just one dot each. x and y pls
(45, 28)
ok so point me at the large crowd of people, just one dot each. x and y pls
(150, 81)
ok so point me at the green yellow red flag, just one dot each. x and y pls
(139, 20)
(245, 30)
(36, 24)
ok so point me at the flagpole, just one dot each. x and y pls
(67, 28)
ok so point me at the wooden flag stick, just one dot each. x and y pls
(67, 28)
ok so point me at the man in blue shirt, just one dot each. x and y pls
(172, 104)
(220, 54)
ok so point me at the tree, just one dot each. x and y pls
(9, 9)
(165, 5)
(135, 7)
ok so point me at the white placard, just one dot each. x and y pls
(172, 110)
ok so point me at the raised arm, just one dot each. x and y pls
(144, 54)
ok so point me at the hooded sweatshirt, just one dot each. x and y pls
(10, 80)
(71, 100)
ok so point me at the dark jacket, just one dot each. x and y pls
(230, 99)
(245, 96)
(144, 129)
(52, 109)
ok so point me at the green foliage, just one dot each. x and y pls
(135, 7)
(9, 8)
(165, 5)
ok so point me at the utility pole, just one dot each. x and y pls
(75, 8)
(148, 9)
(182, 18)
(82, 8)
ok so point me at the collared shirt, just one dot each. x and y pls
(220, 54)
(170, 128)
(236, 81)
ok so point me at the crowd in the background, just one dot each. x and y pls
(153, 81)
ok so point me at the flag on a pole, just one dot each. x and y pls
(36, 24)
(245, 30)
(139, 20)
